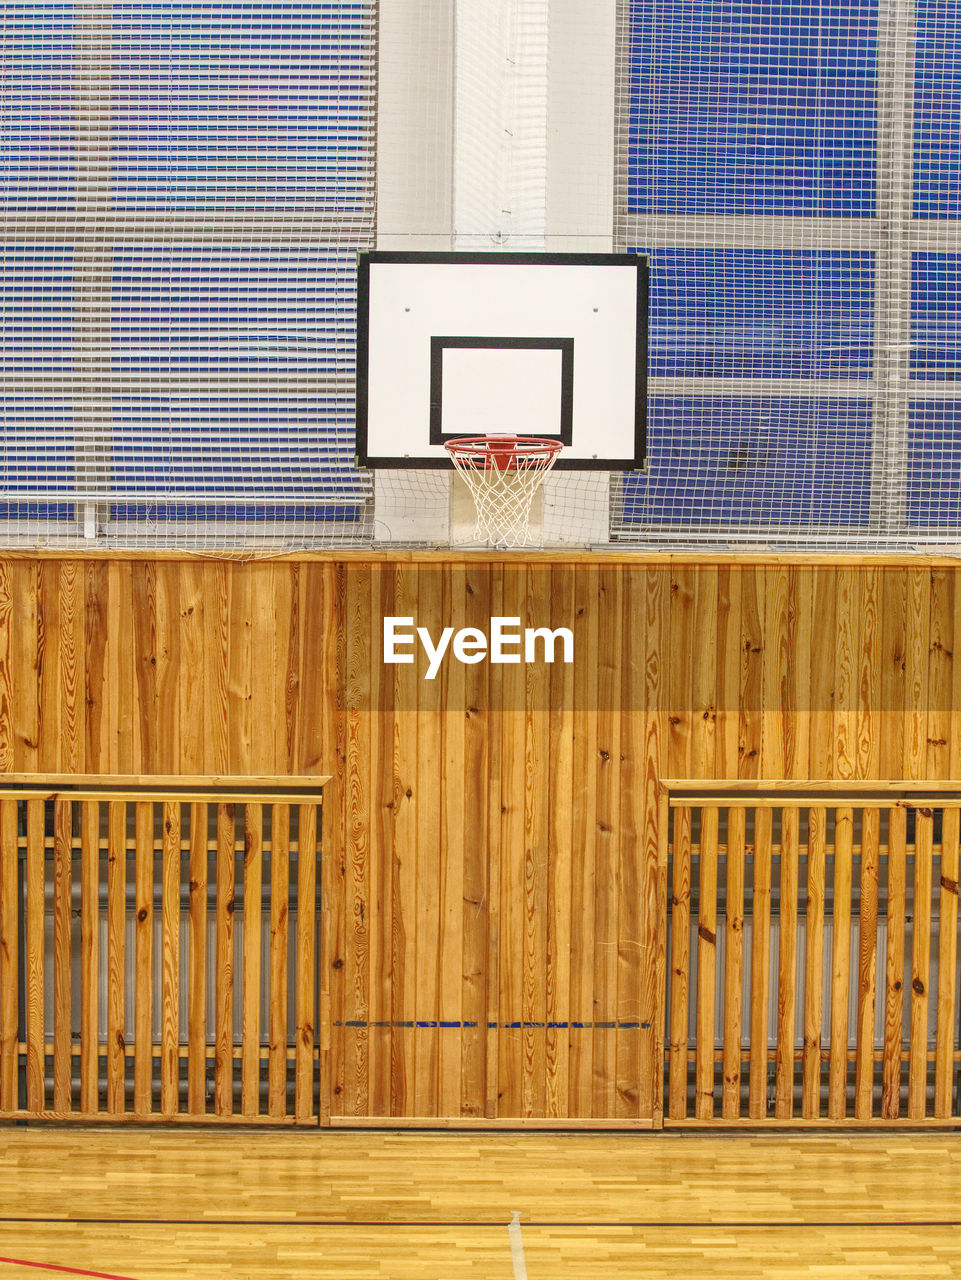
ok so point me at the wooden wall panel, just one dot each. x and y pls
(490, 938)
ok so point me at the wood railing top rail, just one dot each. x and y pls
(131, 784)
(773, 793)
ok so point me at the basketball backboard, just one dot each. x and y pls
(539, 344)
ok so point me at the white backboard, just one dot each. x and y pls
(456, 344)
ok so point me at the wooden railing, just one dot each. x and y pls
(158, 954)
(813, 956)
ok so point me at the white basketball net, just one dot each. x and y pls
(503, 474)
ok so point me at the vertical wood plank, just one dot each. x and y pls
(728, 670)
(681, 671)
(513, 886)
(823, 658)
(607, 843)
(7, 626)
(787, 965)
(143, 1026)
(383, 801)
(49, 660)
(224, 1063)
(813, 964)
(26, 653)
(947, 966)
(90, 957)
(631, 959)
(353, 891)
(840, 962)
(920, 965)
(847, 640)
(752, 673)
(170, 960)
(941, 676)
(9, 953)
(894, 967)
(733, 962)
(193, 673)
(71, 666)
(894, 586)
(653, 865)
(585, 818)
(868, 742)
(197, 1008)
(62, 889)
(705, 664)
(918, 622)
(34, 955)
(706, 963)
(777, 719)
(404, 885)
(797, 691)
(680, 963)
(116, 955)
(453, 725)
(478, 825)
(867, 962)
(306, 960)
(253, 892)
(279, 901)
(760, 964)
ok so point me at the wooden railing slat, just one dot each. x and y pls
(760, 964)
(920, 966)
(279, 886)
(116, 954)
(9, 953)
(733, 964)
(90, 957)
(706, 964)
(947, 966)
(894, 967)
(306, 960)
(143, 1027)
(867, 963)
(680, 963)
(62, 887)
(170, 959)
(253, 884)
(34, 955)
(787, 966)
(840, 962)
(224, 1073)
(197, 1009)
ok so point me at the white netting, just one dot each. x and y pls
(503, 474)
(185, 186)
(184, 190)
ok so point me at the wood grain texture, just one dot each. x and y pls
(706, 963)
(760, 963)
(867, 962)
(680, 963)
(9, 953)
(34, 887)
(485, 864)
(840, 962)
(144, 954)
(944, 1070)
(733, 963)
(894, 967)
(920, 964)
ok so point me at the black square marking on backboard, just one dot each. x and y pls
(565, 346)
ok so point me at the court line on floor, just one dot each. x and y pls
(517, 1247)
(488, 1224)
(52, 1266)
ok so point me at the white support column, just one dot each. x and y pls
(415, 114)
(892, 267)
(500, 124)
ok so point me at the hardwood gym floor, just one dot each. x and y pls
(150, 1204)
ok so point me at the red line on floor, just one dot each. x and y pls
(52, 1266)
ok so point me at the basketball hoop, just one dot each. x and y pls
(503, 473)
